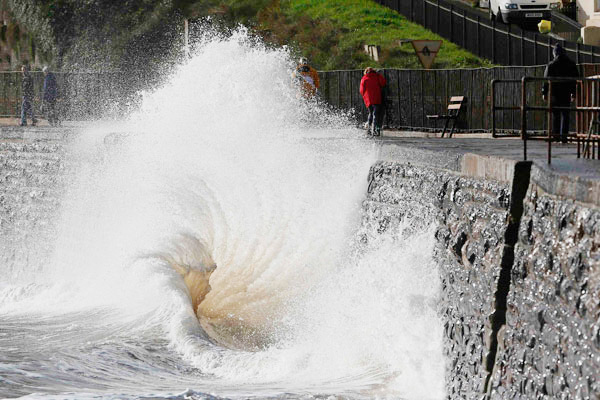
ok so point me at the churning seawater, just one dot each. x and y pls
(208, 247)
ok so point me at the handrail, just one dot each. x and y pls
(550, 108)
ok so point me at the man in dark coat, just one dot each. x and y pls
(562, 92)
(50, 96)
(27, 90)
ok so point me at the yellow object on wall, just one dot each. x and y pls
(545, 26)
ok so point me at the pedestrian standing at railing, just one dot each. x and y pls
(50, 96)
(563, 93)
(371, 88)
(27, 90)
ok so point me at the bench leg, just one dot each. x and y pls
(445, 127)
(453, 126)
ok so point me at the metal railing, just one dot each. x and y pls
(565, 27)
(83, 95)
(587, 107)
(502, 44)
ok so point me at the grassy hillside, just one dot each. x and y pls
(143, 35)
(332, 34)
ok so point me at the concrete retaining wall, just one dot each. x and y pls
(518, 248)
(30, 161)
(518, 254)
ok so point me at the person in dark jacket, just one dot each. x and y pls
(563, 93)
(371, 87)
(27, 90)
(50, 96)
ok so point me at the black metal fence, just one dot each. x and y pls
(414, 94)
(500, 43)
(565, 27)
(83, 95)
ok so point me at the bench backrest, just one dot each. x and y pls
(455, 104)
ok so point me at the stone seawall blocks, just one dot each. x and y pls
(551, 342)
(471, 215)
(29, 195)
(518, 247)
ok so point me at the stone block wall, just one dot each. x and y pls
(550, 346)
(518, 249)
(29, 196)
(470, 214)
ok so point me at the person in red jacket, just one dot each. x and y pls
(371, 87)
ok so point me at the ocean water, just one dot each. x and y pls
(207, 247)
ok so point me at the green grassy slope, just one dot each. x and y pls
(332, 34)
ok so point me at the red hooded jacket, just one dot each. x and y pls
(370, 88)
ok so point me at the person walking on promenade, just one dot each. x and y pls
(50, 96)
(27, 90)
(563, 93)
(308, 76)
(371, 88)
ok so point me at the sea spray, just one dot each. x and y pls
(228, 164)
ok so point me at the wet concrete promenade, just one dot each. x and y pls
(449, 150)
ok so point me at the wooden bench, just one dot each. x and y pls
(454, 107)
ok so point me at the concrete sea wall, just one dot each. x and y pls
(30, 163)
(517, 248)
(517, 245)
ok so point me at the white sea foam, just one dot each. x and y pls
(227, 159)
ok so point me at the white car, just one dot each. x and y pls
(509, 11)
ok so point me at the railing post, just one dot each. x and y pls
(535, 49)
(478, 34)
(577, 52)
(452, 23)
(522, 48)
(493, 41)
(437, 16)
(524, 116)
(464, 30)
(493, 94)
(508, 37)
(550, 121)
(412, 18)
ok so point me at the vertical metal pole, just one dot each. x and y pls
(410, 98)
(478, 37)
(435, 99)
(339, 88)
(493, 94)
(470, 99)
(398, 96)
(522, 48)
(508, 45)
(494, 41)
(437, 16)
(422, 98)
(524, 116)
(535, 62)
(452, 23)
(412, 17)
(464, 31)
(550, 122)
(186, 37)
(577, 53)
